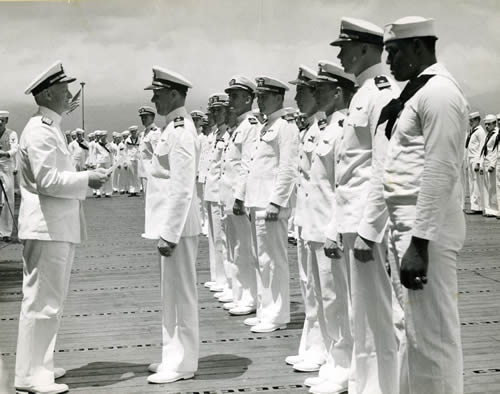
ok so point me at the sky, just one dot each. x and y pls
(112, 45)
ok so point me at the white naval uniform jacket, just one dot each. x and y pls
(320, 196)
(175, 160)
(103, 154)
(476, 142)
(422, 169)
(51, 189)
(8, 143)
(132, 148)
(273, 166)
(205, 143)
(360, 206)
(308, 139)
(236, 158)
(490, 159)
(148, 140)
(212, 190)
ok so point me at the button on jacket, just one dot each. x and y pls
(273, 166)
(50, 186)
(354, 169)
(236, 159)
(175, 159)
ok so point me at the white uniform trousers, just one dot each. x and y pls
(464, 179)
(273, 282)
(134, 184)
(489, 192)
(6, 220)
(115, 180)
(46, 273)
(107, 188)
(375, 355)
(123, 179)
(180, 326)
(200, 189)
(331, 291)
(432, 355)
(216, 245)
(244, 267)
(474, 188)
(311, 346)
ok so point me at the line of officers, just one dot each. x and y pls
(373, 174)
(481, 169)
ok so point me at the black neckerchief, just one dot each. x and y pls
(392, 110)
(104, 146)
(484, 151)
(467, 141)
(132, 142)
(81, 144)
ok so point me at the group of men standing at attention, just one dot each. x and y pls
(371, 172)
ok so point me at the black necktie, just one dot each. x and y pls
(392, 110)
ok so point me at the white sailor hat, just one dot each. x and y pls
(352, 29)
(268, 84)
(196, 114)
(241, 82)
(409, 27)
(331, 72)
(306, 75)
(52, 76)
(73, 132)
(145, 110)
(474, 115)
(115, 134)
(125, 133)
(218, 99)
(79, 131)
(498, 116)
(4, 114)
(67, 132)
(163, 78)
(133, 128)
(91, 134)
(490, 118)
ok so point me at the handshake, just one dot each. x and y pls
(98, 177)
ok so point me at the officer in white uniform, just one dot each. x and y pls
(103, 159)
(114, 149)
(199, 120)
(360, 214)
(217, 242)
(422, 192)
(50, 224)
(148, 139)
(133, 155)
(235, 162)
(8, 152)
(334, 89)
(487, 168)
(474, 143)
(268, 194)
(311, 353)
(175, 159)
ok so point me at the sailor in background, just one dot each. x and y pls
(79, 150)
(103, 159)
(199, 120)
(132, 152)
(473, 144)
(426, 131)
(51, 224)
(122, 163)
(8, 153)
(487, 168)
(175, 160)
(148, 138)
(497, 148)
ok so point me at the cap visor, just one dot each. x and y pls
(339, 41)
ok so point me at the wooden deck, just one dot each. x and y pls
(111, 326)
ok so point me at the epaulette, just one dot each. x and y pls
(322, 124)
(381, 82)
(252, 120)
(341, 122)
(289, 118)
(179, 121)
(47, 121)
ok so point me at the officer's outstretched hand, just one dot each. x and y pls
(165, 248)
(97, 178)
(414, 264)
(331, 249)
(238, 207)
(363, 249)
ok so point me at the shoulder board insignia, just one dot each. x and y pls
(288, 117)
(341, 122)
(252, 120)
(381, 82)
(47, 121)
(179, 121)
(322, 124)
